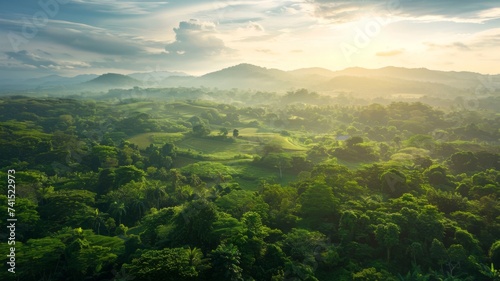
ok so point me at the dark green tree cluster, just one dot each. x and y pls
(91, 205)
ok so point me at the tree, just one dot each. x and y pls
(303, 245)
(271, 147)
(318, 203)
(68, 208)
(26, 214)
(201, 130)
(463, 162)
(388, 236)
(43, 256)
(98, 220)
(225, 228)
(347, 225)
(394, 182)
(355, 150)
(118, 209)
(415, 250)
(467, 240)
(494, 253)
(226, 263)
(238, 202)
(280, 161)
(106, 181)
(437, 175)
(126, 174)
(232, 118)
(106, 155)
(86, 254)
(352, 141)
(253, 224)
(169, 149)
(169, 264)
(89, 260)
(223, 132)
(456, 256)
(438, 252)
(429, 224)
(397, 141)
(194, 224)
(236, 133)
(195, 258)
(372, 274)
(251, 241)
(155, 192)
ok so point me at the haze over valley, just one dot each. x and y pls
(313, 140)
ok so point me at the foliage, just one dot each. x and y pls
(305, 189)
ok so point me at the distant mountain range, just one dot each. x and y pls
(367, 82)
(385, 81)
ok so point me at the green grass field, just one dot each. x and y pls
(180, 109)
(237, 154)
(249, 143)
(176, 109)
(261, 137)
(144, 140)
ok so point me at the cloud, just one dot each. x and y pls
(461, 46)
(194, 39)
(94, 41)
(341, 11)
(10, 64)
(29, 58)
(449, 8)
(120, 7)
(455, 45)
(266, 51)
(486, 39)
(40, 60)
(82, 37)
(255, 26)
(390, 53)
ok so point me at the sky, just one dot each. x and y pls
(72, 37)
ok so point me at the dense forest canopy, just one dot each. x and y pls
(207, 184)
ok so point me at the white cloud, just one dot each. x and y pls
(121, 7)
(195, 39)
(40, 60)
(460, 11)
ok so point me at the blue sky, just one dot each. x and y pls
(71, 37)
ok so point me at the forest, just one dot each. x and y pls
(206, 184)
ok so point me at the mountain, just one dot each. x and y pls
(113, 80)
(387, 81)
(387, 87)
(56, 80)
(450, 78)
(154, 77)
(369, 83)
(246, 76)
(313, 72)
(49, 82)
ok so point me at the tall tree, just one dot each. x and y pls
(388, 236)
(226, 263)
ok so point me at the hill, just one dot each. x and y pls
(242, 76)
(386, 81)
(114, 79)
(362, 82)
(155, 77)
(450, 78)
